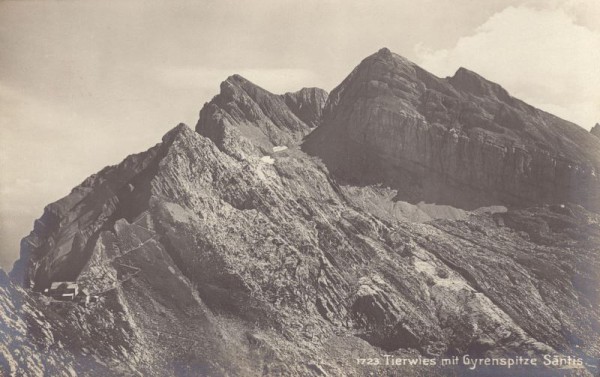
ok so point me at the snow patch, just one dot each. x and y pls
(279, 148)
(268, 159)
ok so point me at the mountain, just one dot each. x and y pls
(462, 141)
(259, 244)
(262, 119)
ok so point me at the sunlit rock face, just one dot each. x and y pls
(227, 250)
(461, 140)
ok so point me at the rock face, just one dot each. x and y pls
(307, 104)
(262, 119)
(462, 141)
(60, 243)
(596, 130)
(219, 252)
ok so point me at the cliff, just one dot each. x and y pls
(262, 119)
(462, 140)
(596, 130)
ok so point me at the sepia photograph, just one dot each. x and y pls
(300, 188)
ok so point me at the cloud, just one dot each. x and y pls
(543, 56)
(584, 12)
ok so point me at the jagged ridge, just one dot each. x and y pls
(263, 119)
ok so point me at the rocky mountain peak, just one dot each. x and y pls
(384, 55)
(596, 130)
(237, 88)
(239, 83)
(180, 129)
(384, 51)
(471, 82)
(236, 77)
(245, 119)
(377, 75)
(391, 121)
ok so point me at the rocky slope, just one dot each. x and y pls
(39, 337)
(462, 140)
(219, 252)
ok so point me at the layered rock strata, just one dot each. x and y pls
(462, 140)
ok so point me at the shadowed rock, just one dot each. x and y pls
(462, 140)
(596, 130)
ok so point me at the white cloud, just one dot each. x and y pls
(542, 56)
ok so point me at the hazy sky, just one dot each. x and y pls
(83, 84)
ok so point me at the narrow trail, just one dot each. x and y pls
(114, 260)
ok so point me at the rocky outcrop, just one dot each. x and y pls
(307, 104)
(60, 243)
(596, 130)
(462, 141)
(246, 119)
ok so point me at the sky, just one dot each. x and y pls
(85, 83)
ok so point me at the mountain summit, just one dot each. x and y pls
(297, 234)
(262, 118)
(462, 140)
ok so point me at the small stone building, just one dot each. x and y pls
(69, 291)
(63, 290)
